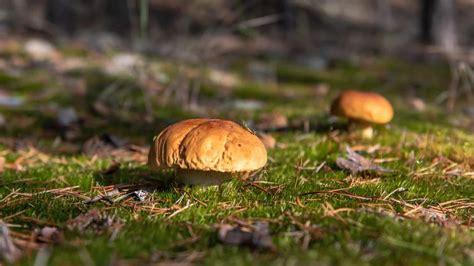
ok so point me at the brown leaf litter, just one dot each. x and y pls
(95, 221)
(254, 235)
(14, 245)
(121, 193)
(308, 232)
(356, 163)
(114, 167)
(162, 258)
(49, 234)
(445, 168)
(108, 145)
(442, 214)
(16, 197)
(138, 198)
(8, 250)
(31, 157)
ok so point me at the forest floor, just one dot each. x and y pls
(74, 187)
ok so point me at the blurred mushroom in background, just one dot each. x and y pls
(362, 109)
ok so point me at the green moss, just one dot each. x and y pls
(293, 74)
(255, 91)
(367, 231)
(74, 51)
(19, 85)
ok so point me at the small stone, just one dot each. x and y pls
(247, 104)
(223, 78)
(124, 63)
(40, 49)
(257, 236)
(272, 120)
(262, 72)
(418, 104)
(2, 163)
(50, 234)
(66, 117)
(320, 90)
(469, 111)
(315, 62)
(267, 140)
(3, 121)
(9, 100)
(70, 64)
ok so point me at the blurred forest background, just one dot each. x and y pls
(85, 85)
(281, 28)
(70, 61)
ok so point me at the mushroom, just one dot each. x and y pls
(207, 151)
(363, 109)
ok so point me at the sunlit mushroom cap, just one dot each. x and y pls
(207, 145)
(363, 106)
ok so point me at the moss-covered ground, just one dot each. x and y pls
(419, 214)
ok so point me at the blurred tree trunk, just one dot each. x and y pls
(118, 19)
(73, 15)
(20, 11)
(447, 36)
(62, 14)
(437, 24)
(385, 17)
(385, 20)
(285, 10)
(427, 9)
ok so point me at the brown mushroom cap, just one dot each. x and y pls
(207, 145)
(363, 106)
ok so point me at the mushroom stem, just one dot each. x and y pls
(367, 132)
(202, 178)
(364, 129)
